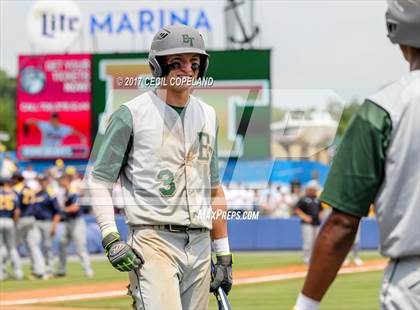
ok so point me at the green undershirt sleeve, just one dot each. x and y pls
(357, 171)
(115, 147)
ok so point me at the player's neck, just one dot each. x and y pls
(412, 55)
(174, 98)
(415, 63)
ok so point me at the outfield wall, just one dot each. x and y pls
(285, 234)
(262, 234)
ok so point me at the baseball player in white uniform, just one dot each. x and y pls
(378, 161)
(163, 147)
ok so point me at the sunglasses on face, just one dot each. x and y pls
(176, 65)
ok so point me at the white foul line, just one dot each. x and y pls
(252, 280)
(302, 274)
(62, 298)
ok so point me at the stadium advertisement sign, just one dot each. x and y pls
(240, 96)
(54, 107)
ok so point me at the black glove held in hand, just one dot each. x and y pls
(223, 274)
(120, 254)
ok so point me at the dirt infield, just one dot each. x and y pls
(24, 300)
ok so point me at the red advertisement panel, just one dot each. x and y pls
(54, 106)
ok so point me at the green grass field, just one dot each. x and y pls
(355, 291)
(351, 291)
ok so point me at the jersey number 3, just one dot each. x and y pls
(166, 177)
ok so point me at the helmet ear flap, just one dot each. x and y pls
(204, 64)
(155, 67)
(158, 66)
(164, 70)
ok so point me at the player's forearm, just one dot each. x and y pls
(72, 208)
(16, 215)
(102, 205)
(219, 208)
(56, 219)
(302, 215)
(331, 247)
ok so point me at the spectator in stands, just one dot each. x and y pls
(309, 209)
(235, 197)
(229, 196)
(8, 167)
(269, 189)
(273, 203)
(257, 200)
(248, 199)
(268, 204)
(295, 193)
(30, 177)
(239, 197)
(282, 208)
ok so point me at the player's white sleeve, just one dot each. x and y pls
(102, 204)
(65, 130)
(42, 125)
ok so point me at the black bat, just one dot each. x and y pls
(222, 300)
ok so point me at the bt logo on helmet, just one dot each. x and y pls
(147, 20)
(187, 39)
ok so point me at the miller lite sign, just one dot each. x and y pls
(54, 25)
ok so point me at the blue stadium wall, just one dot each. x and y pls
(242, 171)
(265, 234)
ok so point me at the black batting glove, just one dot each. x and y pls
(120, 254)
(222, 276)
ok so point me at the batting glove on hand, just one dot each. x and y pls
(222, 276)
(120, 254)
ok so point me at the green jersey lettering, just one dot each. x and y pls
(166, 177)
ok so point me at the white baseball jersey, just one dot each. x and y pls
(168, 168)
